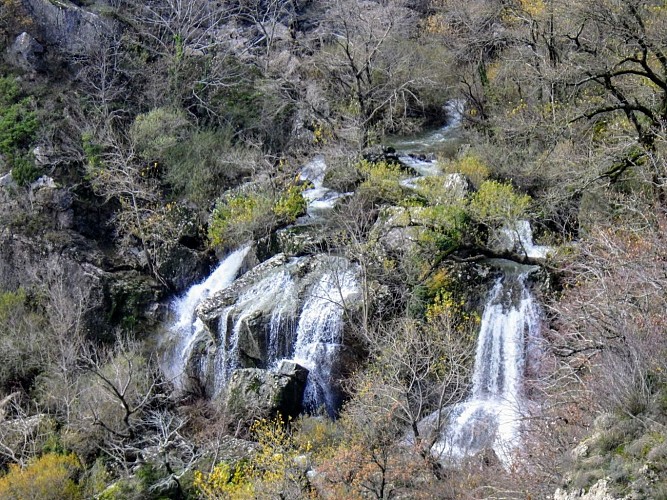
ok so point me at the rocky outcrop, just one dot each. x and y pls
(65, 26)
(255, 393)
(40, 251)
(26, 53)
(599, 491)
(284, 308)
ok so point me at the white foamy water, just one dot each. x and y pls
(186, 326)
(491, 417)
(319, 335)
(519, 237)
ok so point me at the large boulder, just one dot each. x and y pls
(26, 53)
(66, 26)
(281, 309)
(255, 393)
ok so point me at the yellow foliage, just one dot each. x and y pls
(226, 481)
(533, 8)
(48, 477)
(471, 166)
(272, 472)
(382, 180)
(498, 203)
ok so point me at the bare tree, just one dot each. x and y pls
(365, 62)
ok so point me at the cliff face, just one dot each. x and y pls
(64, 27)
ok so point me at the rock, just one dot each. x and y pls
(302, 239)
(65, 26)
(43, 182)
(181, 266)
(255, 393)
(599, 491)
(379, 153)
(42, 156)
(516, 240)
(26, 53)
(254, 322)
(396, 231)
(458, 185)
(7, 181)
(210, 309)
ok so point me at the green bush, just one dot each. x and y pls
(24, 170)
(18, 121)
(470, 166)
(159, 130)
(381, 182)
(497, 203)
(242, 216)
(206, 164)
(291, 204)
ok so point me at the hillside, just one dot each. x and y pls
(338, 249)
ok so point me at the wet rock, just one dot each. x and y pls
(516, 241)
(300, 240)
(26, 53)
(379, 153)
(255, 393)
(181, 266)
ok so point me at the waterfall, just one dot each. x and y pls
(270, 294)
(186, 327)
(491, 417)
(319, 337)
(519, 237)
(320, 200)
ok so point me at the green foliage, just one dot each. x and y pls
(158, 131)
(471, 166)
(24, 170)
(497, 203)
(273, 471)
(92, 150)
(381, 182)
(445, 227)
(49, 477)
(18, 120)
(201, 167)
(291, 204)
(239, 217)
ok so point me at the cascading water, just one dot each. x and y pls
(491, 418)
(320, 199)
(269, 294)
(187, 327)
(518, 237)
(319, 336)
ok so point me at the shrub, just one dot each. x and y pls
(207, 163)
(49, 477)
(273, 472)
(470, 166)
(24, 170)
(497, 203)
(242, 216)
(155, 132)
(22, 347)
(291, 204)
(18, 121)
(382, 182)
